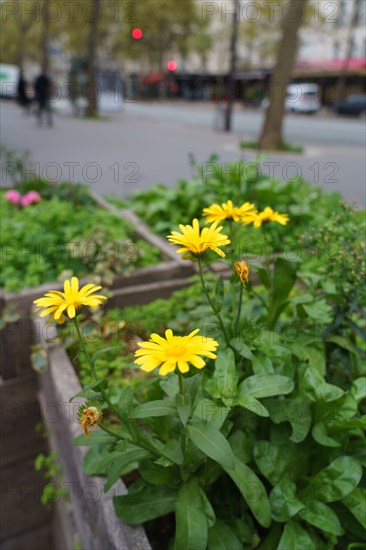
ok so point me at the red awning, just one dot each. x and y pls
(335, 64)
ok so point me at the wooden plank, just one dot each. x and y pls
(40, 538)
(21, 489)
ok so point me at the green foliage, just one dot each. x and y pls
(165, 208)
(265, 443)
(264, 447)
(52, 469)
(66, 232)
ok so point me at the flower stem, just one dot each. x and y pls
(92, 367)
(211, 303)
(129, 425)
(82, 343)
(238, 311)
(180, 377)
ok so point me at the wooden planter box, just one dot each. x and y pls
(172, 273)
(89, 515)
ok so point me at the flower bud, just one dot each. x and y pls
(89, 415)
(242, 270)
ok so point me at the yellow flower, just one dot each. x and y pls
(89, 416)
(195, 243)
(227, 211)
(171, 351)
(57, 303)
(268, 215)
(242, 270)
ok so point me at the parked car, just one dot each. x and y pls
(300, 98)
(353, 105)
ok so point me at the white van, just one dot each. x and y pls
(302, 98)
(9, 77)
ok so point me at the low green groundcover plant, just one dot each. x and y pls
(48, 230)
(250, 430)
(164, 208)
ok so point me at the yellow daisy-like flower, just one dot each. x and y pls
(195, 243)
(172, 351)
(227, 211)
(57, 303)
(267, 215)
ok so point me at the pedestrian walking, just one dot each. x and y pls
(43, 94)
(23, 99)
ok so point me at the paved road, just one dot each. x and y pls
(147, 144)
(305, 130)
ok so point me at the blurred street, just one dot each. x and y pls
(149, 143)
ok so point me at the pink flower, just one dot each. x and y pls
(30, 198)
(13, 196)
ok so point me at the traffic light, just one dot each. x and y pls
(136, 34)
(172, 65)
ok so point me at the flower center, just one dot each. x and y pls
(176, 351)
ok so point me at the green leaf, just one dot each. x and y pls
(253, 491)
(221, 537)
(319, 433)
(241, 348)
(277, 462)
(173, 451)
(219, 294)
(184, 407)
(344, 343)
(297, 412)
(358, 389)
(148, 503)
(262, 365)
(251, 404)
(336, 480)
(158, 475)
(123, 463)
(241, 445)
(94, 460)
(211, 412)
(207, 508)
(191, 522)
(264, 276)
(266, 385)
(283, 280)
(320, 311)
(294, 537)
(161, 407)
(211, 442)
(225, 373)
(321, 516)
(96, 437)
(356, 504)
(317, 389)
(284, 501)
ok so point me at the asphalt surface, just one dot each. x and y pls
(150, 143)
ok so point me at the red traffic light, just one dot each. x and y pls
(172, 65)
(137, 34)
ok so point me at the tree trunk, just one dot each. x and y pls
(272, 132)
(45, 35)
(22, 47)
(92, 94)
(342, 82)
(232, 69)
